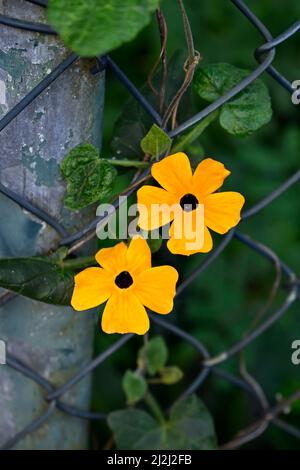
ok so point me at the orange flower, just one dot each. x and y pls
(194, 191)
(129, 284)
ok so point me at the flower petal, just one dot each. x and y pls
(124, 313)
(113, 259)
(155, 288)
(208, 177)
(138, 256)
(222, 210)
(150, 215)
(93, 286)
(184, 246)
(174, 173)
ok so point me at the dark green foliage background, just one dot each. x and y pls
(220, 305)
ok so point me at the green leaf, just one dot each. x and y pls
(95, 27)
(39, 278)
(127, 163)
(156, 142)
(154, 244)
(134, 122)
(171, 375)
(135, 429)
(89, 178)
(155, 353)
(245, 113)
(129, 130)
(60, 254)
(134, 386)
(185, 142)
(190, 427)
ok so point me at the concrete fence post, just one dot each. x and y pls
(55, 341)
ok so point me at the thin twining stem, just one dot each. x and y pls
(189, 68)
(256, 429)
(291, 298)
(163, 32)
(261, 313)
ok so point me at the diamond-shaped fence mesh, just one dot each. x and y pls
(207, 365)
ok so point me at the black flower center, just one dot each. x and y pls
(124, 280)
(189, 202)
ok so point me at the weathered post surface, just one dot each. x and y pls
(55, 341)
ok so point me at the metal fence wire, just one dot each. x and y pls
(207, 365)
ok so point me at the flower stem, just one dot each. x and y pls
(79, 263)
(154, 407)
(146, 342)
(127, 163)
(191, 136)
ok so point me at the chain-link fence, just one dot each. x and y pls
(207, 365)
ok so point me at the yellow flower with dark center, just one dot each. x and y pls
(192, 192)
(128, 283)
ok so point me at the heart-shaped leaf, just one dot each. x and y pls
(245, 113)
(171, 375)
(39, 278)
(134, 386)
(154, 354)
(190, 427)
(134, 122)
(89, 178)
(156, 142)
(95, 27)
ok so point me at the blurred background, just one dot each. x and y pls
(220, 305)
